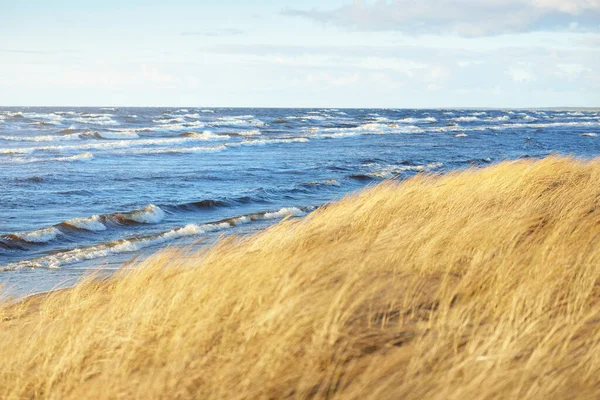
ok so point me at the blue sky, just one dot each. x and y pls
(337, 53)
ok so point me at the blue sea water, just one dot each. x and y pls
(85, 189)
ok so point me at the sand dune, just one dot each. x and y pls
(478, 284)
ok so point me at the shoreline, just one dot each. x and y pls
(474, 284)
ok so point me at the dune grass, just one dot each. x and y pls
(478, 284)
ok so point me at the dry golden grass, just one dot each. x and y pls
(479, 284)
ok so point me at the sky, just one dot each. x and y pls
(309, 53)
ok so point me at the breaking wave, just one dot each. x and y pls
(137, 243)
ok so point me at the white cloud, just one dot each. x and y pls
(469, 18)
(571, 71)
(522, 73)
(332, 79)
(152, 74)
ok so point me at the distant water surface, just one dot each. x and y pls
(88, 188)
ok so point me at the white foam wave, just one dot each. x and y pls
(206, 135)
(252, 132)
(389, 171)
(365, 129)
(178, 150)
(41, 138)
(40, 236)
(96, 119)
(412, 120)
(92, 223)
(461, 135)
(169, 120)
(19, 151)
(132, 245)
(244, 120)
(14, 114)
(112, 145)
(328, 182)
(589, 134)
(177, 126)
(192, 116)
(285, 212)
(79, 157)
(122, 135)
(150, 214)
(466, 119)
(262, 142)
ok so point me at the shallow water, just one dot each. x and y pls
(89, 188)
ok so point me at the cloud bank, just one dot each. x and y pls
(469, 18)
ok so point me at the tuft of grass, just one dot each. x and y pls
(475, 284)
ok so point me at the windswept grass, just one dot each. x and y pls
(479, 284)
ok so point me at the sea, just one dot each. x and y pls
(84, 190)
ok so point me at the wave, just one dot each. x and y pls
(87, 156)
(178, 150)
(328, 182)
(96, 119)
(136, 146)
(361, 177)
(66, 257)
(192, 116)
(365, 129)
(110, 135)
(262, 142)
(93, 223)
(390, 171)
(251, 132)
(206, 135)
(412, 120)
(41, 138)
(150, 214)
(19, 150)
(40, 236)
(466, 119)
(14, 115)
(499, 119)
(169, 120)
(79, 157)
(108, 144)
(589, 134)
(203, 204)
(248, 120)
(70, 129)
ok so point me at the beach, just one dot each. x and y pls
(85, 189)
(480, 283)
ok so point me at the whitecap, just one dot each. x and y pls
(284, 212)
(92, 223)
(123, 135)
(41, 138)
(40, 236)
(465, 119)
(150, 214)
(132, 245)
(252, 132)
(79, 157)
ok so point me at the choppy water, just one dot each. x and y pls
(88, 188)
